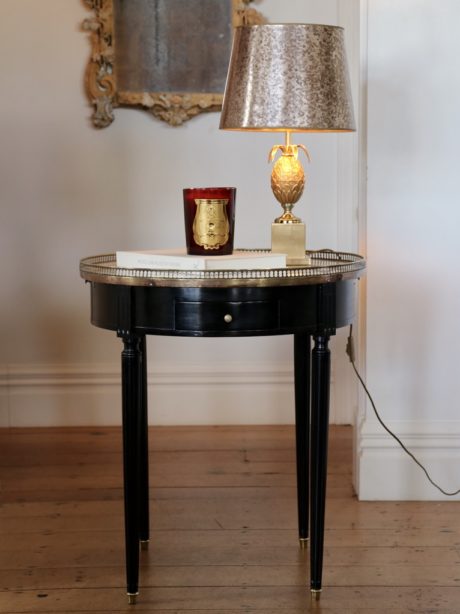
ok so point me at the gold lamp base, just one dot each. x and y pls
(289, 239)
(288, 181)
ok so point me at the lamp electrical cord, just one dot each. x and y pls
(350, 349)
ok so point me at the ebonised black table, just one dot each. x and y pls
(306, 302)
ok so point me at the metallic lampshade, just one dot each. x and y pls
(288, 77)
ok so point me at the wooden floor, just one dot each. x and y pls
(224, 537)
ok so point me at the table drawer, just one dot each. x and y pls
(221, 316)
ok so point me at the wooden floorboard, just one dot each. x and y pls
(223, 515)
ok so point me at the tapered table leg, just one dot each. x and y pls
(131, 405)
(321, 367)
(302, 351)
(144, 530)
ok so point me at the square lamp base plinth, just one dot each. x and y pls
(289, 239)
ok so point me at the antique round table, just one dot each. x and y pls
(306, 302)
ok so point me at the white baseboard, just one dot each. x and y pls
(75, 395)
(79, 395)
(4, 414)
(387, 473)
(4, 409)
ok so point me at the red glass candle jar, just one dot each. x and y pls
(209, 220)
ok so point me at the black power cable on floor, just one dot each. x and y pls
(351, 355)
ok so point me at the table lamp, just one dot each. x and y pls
(288, 78)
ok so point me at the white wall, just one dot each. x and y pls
(413, 215)
(68, 190)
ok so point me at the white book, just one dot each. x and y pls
(179, 260)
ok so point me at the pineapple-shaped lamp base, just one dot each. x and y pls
(288, 182)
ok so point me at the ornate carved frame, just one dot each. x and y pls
(100, 79)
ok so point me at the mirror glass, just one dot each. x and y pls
(172, 45)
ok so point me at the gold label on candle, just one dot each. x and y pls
(211, 227)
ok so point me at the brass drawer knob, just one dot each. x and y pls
(228, 318)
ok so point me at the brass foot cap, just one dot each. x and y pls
(144, 544)
(303, 541)
(315, 593)
(132, 598)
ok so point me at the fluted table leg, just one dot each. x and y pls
(131, 406)
(144, 524)
(321, 367)
(302, 351)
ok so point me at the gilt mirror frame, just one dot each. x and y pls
(103, 91)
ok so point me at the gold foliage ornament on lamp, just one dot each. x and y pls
(288, 178)
(288, 78)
